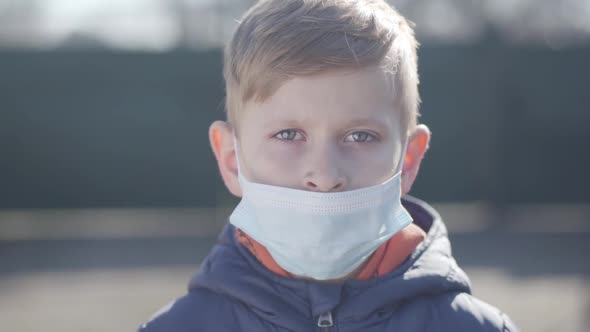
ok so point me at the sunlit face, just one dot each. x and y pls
(330, 132)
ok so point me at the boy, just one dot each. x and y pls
(321, 142)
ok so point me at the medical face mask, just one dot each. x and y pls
(316, 234)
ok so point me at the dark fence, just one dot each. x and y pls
(80, 129)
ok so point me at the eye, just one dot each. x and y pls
(288, 135)
(360, 137)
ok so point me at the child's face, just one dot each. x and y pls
(331, 132)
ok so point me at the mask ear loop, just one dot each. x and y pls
(402, 161)
(236, 152)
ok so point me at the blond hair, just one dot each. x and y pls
(280, 39)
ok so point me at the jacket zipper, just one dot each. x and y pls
(325, 322)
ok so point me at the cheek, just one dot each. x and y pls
(369, 167)
(274, 165)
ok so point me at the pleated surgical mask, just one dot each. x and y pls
(321, 235)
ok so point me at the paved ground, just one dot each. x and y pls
(109, 270)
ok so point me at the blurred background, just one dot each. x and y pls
(110, 198)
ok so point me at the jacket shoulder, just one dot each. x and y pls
(199, 310)
(464, 312)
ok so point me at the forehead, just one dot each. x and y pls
(329, 97)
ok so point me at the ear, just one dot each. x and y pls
(418, 143)
(222, 143)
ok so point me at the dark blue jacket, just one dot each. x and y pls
(233, 292)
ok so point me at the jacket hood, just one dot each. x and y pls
(231, 270)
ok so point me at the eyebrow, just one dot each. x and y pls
(369, 121)
(359, 122)
(283, 123)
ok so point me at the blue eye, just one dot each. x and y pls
(288, 135)
(360, 137)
